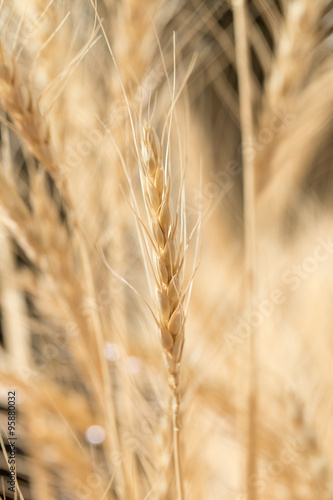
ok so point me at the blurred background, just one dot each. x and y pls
(78, 343)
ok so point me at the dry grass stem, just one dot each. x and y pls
(247, 132)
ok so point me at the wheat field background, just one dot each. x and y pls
(166, 249)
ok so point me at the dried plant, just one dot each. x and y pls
(168, 242)
(133, 379)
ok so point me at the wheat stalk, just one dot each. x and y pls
(296, 97)
(168, 265)
(247, 131)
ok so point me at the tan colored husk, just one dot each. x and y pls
(168, 263)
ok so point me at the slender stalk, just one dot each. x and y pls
(176, 444)
(247, 130)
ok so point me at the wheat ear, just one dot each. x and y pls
(168, 264)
